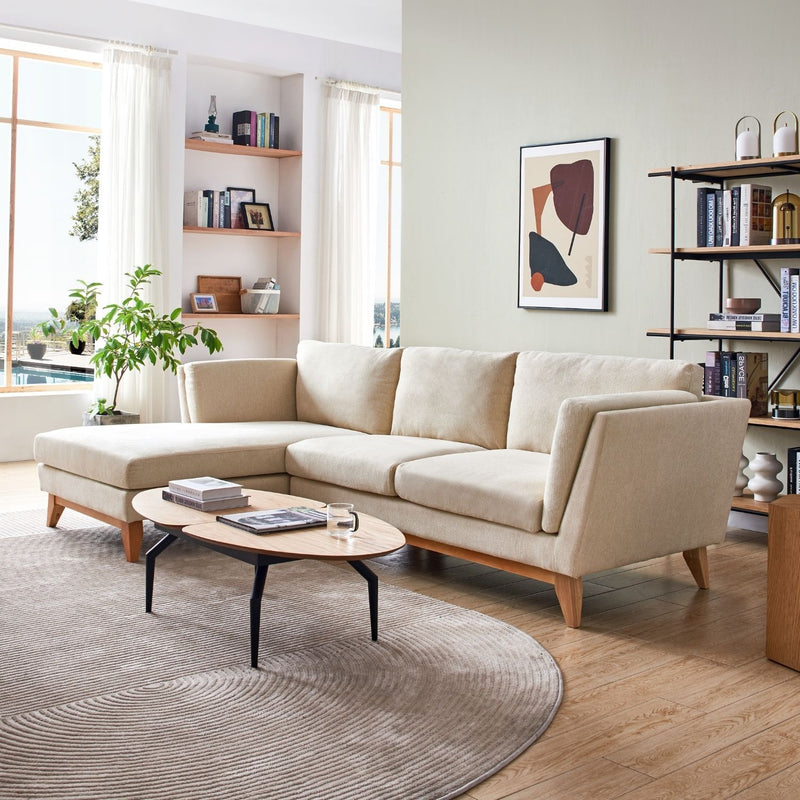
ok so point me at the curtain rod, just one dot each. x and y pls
(23, 29)
(359, 86)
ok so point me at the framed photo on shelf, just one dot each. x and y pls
(239, 196)
(204, 303)
(257, 216)
(563, 225)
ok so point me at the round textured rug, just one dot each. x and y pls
(99, 700)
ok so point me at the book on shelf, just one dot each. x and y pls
(752, 382)
(756, 214)
(736, 206)
(792, 465)
(275, 520)
(242, 127)
(205, 488)
(712, 373)
(728, 372)
(207, 136)
(760, 317)
(702, 215)
(756, 326)
(727, 220)
(220, 504)
(786, 292)
(195, 209)
(273, 137)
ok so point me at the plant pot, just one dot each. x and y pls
(76, 351)
(36, 349)
(117, 418)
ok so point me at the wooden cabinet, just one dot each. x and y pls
(720, 174)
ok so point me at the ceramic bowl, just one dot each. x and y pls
(742, 305)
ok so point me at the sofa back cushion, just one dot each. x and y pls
(544, 380)
(348, 386)
(238, 390)
(460, 395)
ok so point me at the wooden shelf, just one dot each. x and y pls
(752, 506)
(686, 334)
(731, 170)
(240, 232)
(240, 150)
(211, 316)
(771, 422)
(731, 253)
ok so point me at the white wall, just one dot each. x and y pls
(194, 36)
(666, 81)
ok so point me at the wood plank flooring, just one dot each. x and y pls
(668, 693)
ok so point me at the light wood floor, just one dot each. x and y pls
(667, 690)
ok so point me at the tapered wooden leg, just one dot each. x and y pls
(54, 511)
(569, 592)
(697, 560)
(132, 533)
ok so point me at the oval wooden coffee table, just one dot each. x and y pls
(373, 538)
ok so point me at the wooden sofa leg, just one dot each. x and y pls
(132, 533)
(697, 561)
(569, 592)
(54, 511)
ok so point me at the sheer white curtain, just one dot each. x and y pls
(348, 246)
(133, 197)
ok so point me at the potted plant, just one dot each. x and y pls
(79, 311)
(36, 344)
(130, 334)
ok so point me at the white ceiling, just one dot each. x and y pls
(370, 23)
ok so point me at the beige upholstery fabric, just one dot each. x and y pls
(574, 421)
(363, 462)
(472, 533)
(458, 395)
(238, 390)
(148, 455)
(543, 380)
(504, 486)
(346, 385)
(652, 481)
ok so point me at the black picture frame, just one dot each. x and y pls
(239, 196)
(563, 225)
(257, 217)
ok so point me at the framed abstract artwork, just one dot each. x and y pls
(563, 225)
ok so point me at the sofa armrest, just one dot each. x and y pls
(238, 390)
(652, 481)
(575, 417)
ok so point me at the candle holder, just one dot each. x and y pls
(748, 143)
(786, 219)
(784, 139)
(785, 403)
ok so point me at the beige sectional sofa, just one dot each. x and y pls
(550, 465)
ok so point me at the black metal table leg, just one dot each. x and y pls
(372, 584)
(150, 568)
(255, 611)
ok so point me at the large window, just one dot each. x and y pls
(387, 279)
(49, 151)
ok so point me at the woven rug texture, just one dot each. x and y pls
(99, 700)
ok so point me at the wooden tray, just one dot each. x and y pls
(227, 290)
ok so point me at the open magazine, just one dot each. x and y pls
(275, 520)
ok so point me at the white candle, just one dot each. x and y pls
(746, 145)
(784, 142)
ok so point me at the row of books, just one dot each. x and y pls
(738, 374)
(215, 208)
(206, 494)
(745, 322)
(256, 129)
(739, 216)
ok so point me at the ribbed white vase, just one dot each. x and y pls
(741, 479)
(764, 484)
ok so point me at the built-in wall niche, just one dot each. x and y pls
(274, 175)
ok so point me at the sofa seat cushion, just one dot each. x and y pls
(503, 486)
(149, 455)
(366, 463)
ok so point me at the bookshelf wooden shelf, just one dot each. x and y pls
(730, 253)
(749, 504)
(688, 334)
(239, 232)
(240, 150)
(732, 170)
(210, 317)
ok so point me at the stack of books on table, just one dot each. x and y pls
(276, 520)
(206, 494)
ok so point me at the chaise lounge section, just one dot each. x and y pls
(553, 466)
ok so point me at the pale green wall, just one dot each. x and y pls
(665, 80)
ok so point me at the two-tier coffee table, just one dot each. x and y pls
(373, 538)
